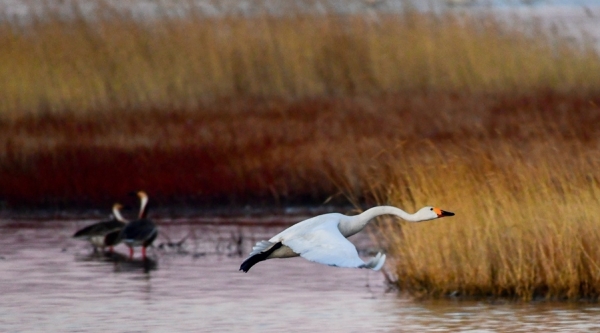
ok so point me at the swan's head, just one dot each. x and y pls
(117, 206)
(430, 213)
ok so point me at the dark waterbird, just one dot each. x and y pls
(141, 232)
(97, 233)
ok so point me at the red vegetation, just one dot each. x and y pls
(269, 151)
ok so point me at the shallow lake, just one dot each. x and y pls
(50, 282)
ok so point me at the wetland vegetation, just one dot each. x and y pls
(498, 122)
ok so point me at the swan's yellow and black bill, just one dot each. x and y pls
(445, 213)
(442, 213)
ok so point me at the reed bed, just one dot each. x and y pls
(279, 152)
(86, 63)
(526, 219)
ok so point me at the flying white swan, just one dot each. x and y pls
(322, 239)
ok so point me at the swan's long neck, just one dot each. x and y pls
(353, 224)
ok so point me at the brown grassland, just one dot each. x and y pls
(498, 123)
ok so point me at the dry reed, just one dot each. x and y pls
(526, 219)
(87, 63)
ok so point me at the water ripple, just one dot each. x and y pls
(50, 282)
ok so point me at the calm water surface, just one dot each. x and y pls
(50, 282)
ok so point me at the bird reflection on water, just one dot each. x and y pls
(121, 262)
(145, 264)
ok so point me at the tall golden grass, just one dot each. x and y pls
(526, 223)
(86, 64)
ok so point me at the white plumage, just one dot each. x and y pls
(322, 239)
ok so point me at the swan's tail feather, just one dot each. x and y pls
(261, 251)
(376, 262)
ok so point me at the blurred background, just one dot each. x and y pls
(229, 103)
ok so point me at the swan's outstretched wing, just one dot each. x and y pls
(326, 245)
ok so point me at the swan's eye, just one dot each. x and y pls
(431, 209)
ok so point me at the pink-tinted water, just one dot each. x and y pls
(50, 282)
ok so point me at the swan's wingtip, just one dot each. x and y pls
(244, 268)
(260, 252)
